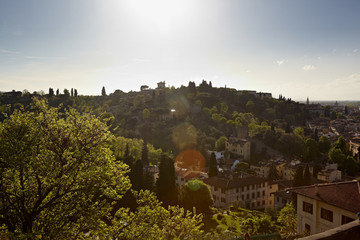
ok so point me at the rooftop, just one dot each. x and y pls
(345, 195)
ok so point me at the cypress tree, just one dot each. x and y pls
(213, 170)
(307, 176)
(138, 176)
(103, 92)
(165, 184)
(298, 177)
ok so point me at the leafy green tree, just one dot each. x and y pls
(288, 220)
(312, 149)
(350, 166)
(336, 156)
(324, 144)
(299, 131)
(58, 174)
(196, 193)
(298, 177)
(307, 176)
(145, 114)
(220, 144)
(241, 166)
(152, 221)
(340, 144)
(213, 169)
(165, 184)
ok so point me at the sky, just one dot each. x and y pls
(297, 48)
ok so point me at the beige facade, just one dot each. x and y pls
(317, 216)
(326, 206)
(250, 192)
(239, 147)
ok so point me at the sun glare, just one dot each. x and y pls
(157, 15)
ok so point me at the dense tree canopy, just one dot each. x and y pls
(58, 175)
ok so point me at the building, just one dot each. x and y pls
(326, 206)
(239, 147)
(161, 85)
(252, 192)
(330, 173)
(184, 175)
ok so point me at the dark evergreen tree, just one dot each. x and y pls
(144, 155)
(316, 135)
(137, 176)
(298, 177)
(75, 93)
(307, 176)
(273, 173)
(213, 169)
(103, 92)
(165, 184)
(72, 92)
(57, 92)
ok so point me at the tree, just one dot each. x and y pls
(307, 176)
(273, 173)
(324, 144)
(59, 168)
(57, 92)
(165, 184)
(220, 144)
(66, 93)
(298, 177)
(72, 92)
(137, 179)
(103, 92)
(213, 169)
(312, 149)
(288, 220)
(340, 144)
(75, 93)
(144, 154)
(241, 167)
(336, 156)
(152, 221)
(196, 193)
(350, 166)
(145, 114)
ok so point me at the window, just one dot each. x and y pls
(263, 202)
(247, 196)
(237, 190)
(307, 207)
(214, 197)
(242, 189)
(253, 205)
(253, 195)
(215, 189)
(247, 188)
(264, 193)
(258, 203)
(270, 202)
(258, 194)
(277, 199)
(345, 219)
(242, 197)
(307, 228)
(326, 214)
(223, 200)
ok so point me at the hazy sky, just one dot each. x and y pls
(298, 48)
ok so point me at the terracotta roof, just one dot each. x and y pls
(229, 183)
(345, 195)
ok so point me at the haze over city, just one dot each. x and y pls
(298, 49)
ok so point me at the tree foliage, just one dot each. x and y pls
(213, 169)
(58, 174)
(196, 193)
(165, 184)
